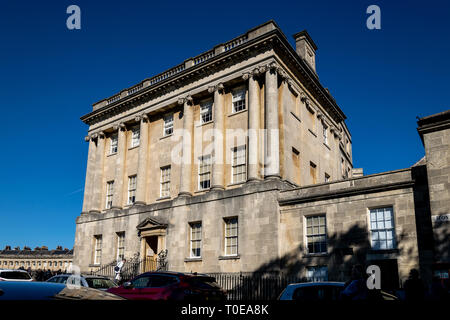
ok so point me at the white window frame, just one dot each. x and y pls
(195, 239)
(314, 235)
(206, 111)
(98, 249)
(325, 133)
(135, 136)
(383, 231)
(109, 194)
(120, 245)
(235, 164)
(238, 100)
(113, 146)
(204, 162)
(132, 185)
(168, 124)
(165, 180)
(229, 236)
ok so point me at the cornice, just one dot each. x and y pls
(273, 39)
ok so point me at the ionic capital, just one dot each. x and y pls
(218, 87)
(120, 126)
(246, 75)
(188, 100)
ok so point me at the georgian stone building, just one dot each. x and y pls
(239, 160)
(39, 258)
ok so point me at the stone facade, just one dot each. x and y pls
(260, 217)
(39, 258)
(435, 133)
(307, 142)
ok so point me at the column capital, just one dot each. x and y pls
(246, 75)
(120, 126)
(97, 135)
(188, 99)
(273, 66)
(319, 115)
(218, 87)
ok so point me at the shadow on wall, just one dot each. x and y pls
(344, 250)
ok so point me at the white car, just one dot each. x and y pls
(14, 275)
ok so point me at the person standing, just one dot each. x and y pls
(414, 288)
(118, 270)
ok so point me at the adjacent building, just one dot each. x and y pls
(239, 160)
(40, 258)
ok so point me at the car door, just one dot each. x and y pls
(135, 292)
(159, 287)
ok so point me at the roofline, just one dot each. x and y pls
(276, 31)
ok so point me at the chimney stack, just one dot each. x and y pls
(306, 48)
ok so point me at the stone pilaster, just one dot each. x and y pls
(90, 175)
(141, 189)
(253, 125)
(186, 153)
(217, 182)
(97, 184)
(120, 166)
(272, 143)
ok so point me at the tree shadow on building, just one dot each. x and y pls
(344, 250)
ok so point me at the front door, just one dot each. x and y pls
(151, 253)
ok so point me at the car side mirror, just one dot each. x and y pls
(128, 285)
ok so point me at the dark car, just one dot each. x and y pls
(322, 291)
(170, 286)
(96, 282)
(13, 290)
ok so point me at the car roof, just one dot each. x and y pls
(315, 284)
(13, 290)
(173, 273)
(12, 270)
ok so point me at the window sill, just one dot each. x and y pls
(234, 257)
(92, 265)
(383, 251)
(163, 198)
(296, 117)
(131, 148)
(328, 147)
(164, 137)
(198, 259)
(112, 154)
(311, 255)
(315, 135)
(205, 123)
(202, 190)
(237, 112)
(236, 184)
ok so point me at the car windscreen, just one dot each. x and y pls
(100, 283)
(203, 282)
(317, 293)
(15, 275)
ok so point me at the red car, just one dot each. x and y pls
(170, 286)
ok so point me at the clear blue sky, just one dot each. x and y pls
(50, 76)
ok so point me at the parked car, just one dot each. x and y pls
(170, 286)
(14, 290)
(14, 275)
(322, 291)
(95, 282)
